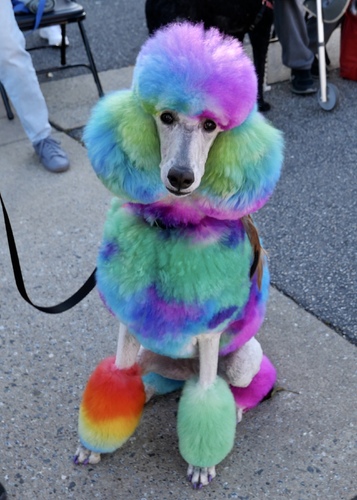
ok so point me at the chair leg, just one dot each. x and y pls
(63, 45)
(5, 98)
(92, 65)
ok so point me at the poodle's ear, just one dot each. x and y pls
(244, 165)
(123, 147)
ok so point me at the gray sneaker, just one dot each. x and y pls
(51, 155)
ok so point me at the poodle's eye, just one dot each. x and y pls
(167, 118)
(209, 125)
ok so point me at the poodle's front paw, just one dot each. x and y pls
(84, 456)
(200, 476)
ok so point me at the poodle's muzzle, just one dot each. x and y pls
(184, 143)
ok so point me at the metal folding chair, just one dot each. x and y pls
(64, 13)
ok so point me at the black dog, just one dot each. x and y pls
(233, 17)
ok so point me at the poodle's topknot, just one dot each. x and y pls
(199, 72)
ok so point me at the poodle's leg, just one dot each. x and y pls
(127, 349)
(250, 375)
(240, 367)
(114, 391)
(206, 416)
(208, 346)
(248, 397)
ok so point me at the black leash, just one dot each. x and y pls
(63, 306)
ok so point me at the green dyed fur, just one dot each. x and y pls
(240, 160)
(206, 423)
(125, 134)
(136, 130)
(237, 160)
(177, 277)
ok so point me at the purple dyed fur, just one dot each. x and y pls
(221, 316)
(108, 250)
(242, 330)
(225, 92)
(191, 212)
(200, 225)
(173, 313)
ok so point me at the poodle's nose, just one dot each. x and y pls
(180, 178)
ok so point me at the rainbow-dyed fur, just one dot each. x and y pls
(173, 268)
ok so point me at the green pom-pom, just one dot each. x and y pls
(206, 423)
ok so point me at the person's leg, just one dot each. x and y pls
(291, 30)
(19, 78)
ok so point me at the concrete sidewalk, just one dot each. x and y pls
(301, 444)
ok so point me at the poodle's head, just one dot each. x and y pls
(187, 133)
(199, 73)
(195, 83)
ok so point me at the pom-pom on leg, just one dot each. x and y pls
(260, 386)
(113, 401)
(111, 407)
(206, 418)
(206, 422)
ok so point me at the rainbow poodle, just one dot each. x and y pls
(188, 157)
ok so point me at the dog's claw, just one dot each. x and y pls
(85, 457)
(200, 476)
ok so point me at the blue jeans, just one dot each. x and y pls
(19, 78)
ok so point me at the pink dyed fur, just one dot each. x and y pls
(248, 397)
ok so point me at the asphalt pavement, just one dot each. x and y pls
(301, 444)
(310, 225)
